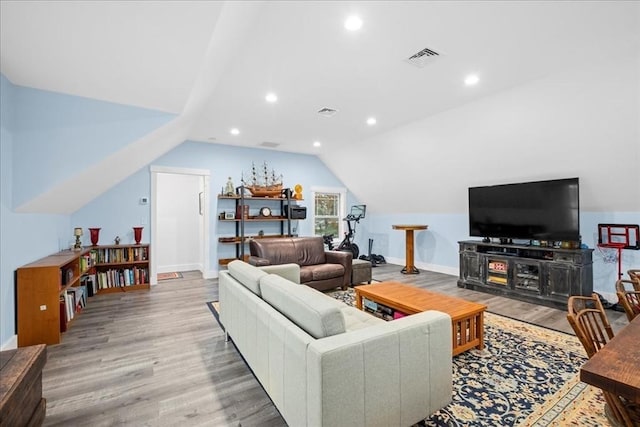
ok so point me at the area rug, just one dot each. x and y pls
(169, 276)
(526, 375)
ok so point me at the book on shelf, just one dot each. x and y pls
(114, 278)
(122, 255)
(63, 314)
(89, 281)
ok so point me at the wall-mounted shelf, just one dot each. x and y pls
(246, 210)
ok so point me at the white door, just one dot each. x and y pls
(179, 235)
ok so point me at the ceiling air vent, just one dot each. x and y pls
(327, 112)
(269, 144)
(422, 58)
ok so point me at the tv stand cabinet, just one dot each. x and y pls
(535, 274)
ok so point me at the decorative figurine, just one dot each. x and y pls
(117, 240)
(229, 189)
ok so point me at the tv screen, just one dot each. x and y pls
(540, 210)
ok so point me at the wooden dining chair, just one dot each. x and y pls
(629, 298)
(634, 275)
(591, 325)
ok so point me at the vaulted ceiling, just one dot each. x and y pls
(151, 54)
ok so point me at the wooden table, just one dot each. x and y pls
(409, 268)
(467, 318)
(616, 367)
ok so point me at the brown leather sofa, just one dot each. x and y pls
(319, 269)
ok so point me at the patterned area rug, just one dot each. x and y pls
(526, 376)
(169, 276)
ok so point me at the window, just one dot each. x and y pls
(328, 211)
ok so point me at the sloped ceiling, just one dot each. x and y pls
(151, 53)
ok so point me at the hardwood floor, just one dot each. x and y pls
(159, 358)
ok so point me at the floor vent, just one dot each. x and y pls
(422, 58)
(327, 112)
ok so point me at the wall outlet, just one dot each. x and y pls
(43, 307)
(144, 200)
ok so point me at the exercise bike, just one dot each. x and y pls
(347, 244)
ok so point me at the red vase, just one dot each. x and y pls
(95, 236)
(137, 234)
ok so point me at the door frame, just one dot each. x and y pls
(204, 241)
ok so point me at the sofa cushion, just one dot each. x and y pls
(310, 250)
(246, 274)
(277, 251)
(358, 319)
(304, 306)
(309, 273)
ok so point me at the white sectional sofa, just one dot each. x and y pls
(324, 363)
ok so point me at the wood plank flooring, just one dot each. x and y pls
(158, 358)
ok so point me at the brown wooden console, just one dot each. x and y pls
(21, 402)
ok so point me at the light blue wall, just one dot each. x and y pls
(56, 134)
(222, 161)
(24, 238)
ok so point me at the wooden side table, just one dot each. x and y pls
(409, 268)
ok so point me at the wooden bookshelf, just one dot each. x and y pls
(43, 285)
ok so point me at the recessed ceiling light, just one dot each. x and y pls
(371, 121)
(471, 80)
(235, 131)
(353, 23)
(271, 97)
(316, 143)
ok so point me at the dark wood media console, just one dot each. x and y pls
(535, 274)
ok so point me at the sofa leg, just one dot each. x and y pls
(226, 336)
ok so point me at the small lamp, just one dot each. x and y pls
(77, 232)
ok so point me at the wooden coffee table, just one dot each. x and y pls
(467, 318)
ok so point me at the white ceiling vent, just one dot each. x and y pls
(422, 58)
(269, 144)
(327, 112)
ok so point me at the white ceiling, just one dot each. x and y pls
(149, 53)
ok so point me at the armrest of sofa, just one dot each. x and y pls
(403, 364)
(344, 258)
(259, 262)
(290, 272)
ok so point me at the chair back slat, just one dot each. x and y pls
(629, 298)
(589, 321)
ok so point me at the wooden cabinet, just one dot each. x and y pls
(43, 286)
(540, 275)
(242, 218)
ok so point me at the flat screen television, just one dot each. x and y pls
(540, 210)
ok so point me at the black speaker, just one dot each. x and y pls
(295, 211)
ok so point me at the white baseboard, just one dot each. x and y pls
(179, 267)
(426, 266)
(211, 274)
(10, 344)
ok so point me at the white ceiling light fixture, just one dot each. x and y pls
(371, 121)
(471, 80)
(271, 97)
(317, 144)
(235, 131)
(353, 23)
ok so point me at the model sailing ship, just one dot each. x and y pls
(263, 183)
